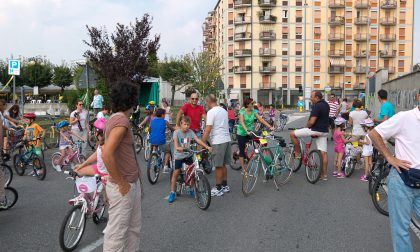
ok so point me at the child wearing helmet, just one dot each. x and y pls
(65, 142)
(94, 164)
(367, 151)
(339, 142)
(33, 132)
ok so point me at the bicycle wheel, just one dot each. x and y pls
(91, 140)
(375, 173)
(206, 162)
(295, 163)
(80, 159)
(55, 161)
(40, 168)
(249, 178)
(153, 170)
(8, 174)
(138, 142)
(202, 191)
(11, 197)
(380, 195)
(283, 122)
(349, 167)
(51, 138)
(235, 164)
(19, 164)
(72, 228)
(314, 166)
(147, 151)
(281, 170)
(99, 209)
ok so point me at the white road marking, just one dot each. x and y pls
(93, 245)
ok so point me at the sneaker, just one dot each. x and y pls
(3, 205)
(340, 175)
(171, 197)
(363, 178)
(166, 169)
(216, 192)
(104, 231)
(335, 174)
(324, 178)
(32, 173)
(192, 193)
(57, 168)
(226, 189)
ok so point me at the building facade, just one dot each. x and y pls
(265, 54)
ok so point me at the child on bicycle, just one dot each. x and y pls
(367, 151)
(339, 142)
(272, 114)
(33, 133)
(182, 140)
(65, 142)
(158, 135)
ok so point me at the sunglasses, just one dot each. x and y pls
(79, 104)
(194, 99)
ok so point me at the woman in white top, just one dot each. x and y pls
(167, 108)
(355, 118)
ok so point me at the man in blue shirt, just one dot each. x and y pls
(387, 109)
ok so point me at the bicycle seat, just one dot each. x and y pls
(314, 136)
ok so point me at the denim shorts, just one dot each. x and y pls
(179, 162)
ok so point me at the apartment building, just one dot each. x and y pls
(262, 45)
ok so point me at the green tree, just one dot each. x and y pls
(205, 72)
(62, 77)
(35, 71)
(177, 71)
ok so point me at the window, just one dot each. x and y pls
(285, 36)
(298, 66)
(317, 16)
(402, 17)
(317, 31)
(298, 49)
(298, 80)
(230, 81)
(285, 32)
(348, 48)
(298, 2)
(298, 16)
(230, 50)
(348, 16)
(373, 49)
(285, 3)
(373, 17)
(402, 33)
(372, 63)
(285, 14)
(285, 48)
(317, 63)
(401, 49)
(243, 81)
(401, 66)
(317, 47)
(230, 66)
(284, 81)
(317, 80)
(298, 32)
(284, 69)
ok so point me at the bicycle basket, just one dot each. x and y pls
(86, 184)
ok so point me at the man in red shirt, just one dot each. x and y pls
(195, 112)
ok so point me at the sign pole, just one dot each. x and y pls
(14, 90)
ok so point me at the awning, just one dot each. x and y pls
(234, 96)
(337, 62)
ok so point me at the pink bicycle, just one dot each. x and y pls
(72, 158)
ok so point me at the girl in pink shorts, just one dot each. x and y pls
(339, 142)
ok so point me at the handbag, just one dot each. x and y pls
(411, 178)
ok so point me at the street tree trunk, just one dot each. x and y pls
(173, 94)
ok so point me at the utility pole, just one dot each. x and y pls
(304, 59)
(367, 56)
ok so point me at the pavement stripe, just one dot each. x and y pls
(93, 245)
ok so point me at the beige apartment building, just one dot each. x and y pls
(262, 45)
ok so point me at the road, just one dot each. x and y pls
(333, 215)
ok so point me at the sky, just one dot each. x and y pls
(56, 28)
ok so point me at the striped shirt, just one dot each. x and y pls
(333, 108)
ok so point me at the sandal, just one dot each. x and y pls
(324, 178)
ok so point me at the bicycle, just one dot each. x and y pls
(91, 137)
(311, 159)
(274, 167)
(281, 122)
(52, 135)
(7, 171)
(146, 144)
(11, 197)
(14, 138)
(154, 166)
(348, 164)
(89, 203)
(70, 158)
(193, 176)
(30, 157)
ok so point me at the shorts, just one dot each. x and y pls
(179, 162)
(222, 154)
(64, 147)
(339, 149)
(242, 141)
(321, 141)
(198, 133)
(332, 124)
(367, 153)
(95, 168)
(163, 147)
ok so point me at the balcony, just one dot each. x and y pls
(267, 3)
(335, 36)
(387, 53)
(270, 35)
(242, 3)
(360, 86)
(267, 52)
(360, 69)
(361, 4)
(335, 69)
(242, 53)
(267, 69)
(242, 69)
(388, 21)
(268, 19)
(336, 85)
(267, 85)
(390, 69)
(388, 37)
(242, 36)
(360, 54)
(361, 20)
(335, 21)
(389, 4)
(360, 37)
(335, 4)
(336, 53)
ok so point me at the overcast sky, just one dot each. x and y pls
(56, 28)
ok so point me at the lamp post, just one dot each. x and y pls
(367, 56)
(304, 59)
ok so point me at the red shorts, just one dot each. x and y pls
(95, 168)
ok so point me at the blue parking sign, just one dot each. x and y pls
(14, 67)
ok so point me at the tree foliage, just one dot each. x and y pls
(205, 72)
(35, 71)
(126, 54)
(62, 77)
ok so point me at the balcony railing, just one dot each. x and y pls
(388, 21)
(361, 37)
(336, 53)
(242, 69)
(390, 69)
(336, 4)
(267, 69)
(267, 52)
(242, 36)
(268, 19)
(361, 4)
(337, 20)
(361, 20)
(240, 53)
(360, 54)
(267, 35)
(388, 4)
(336, 84)
(387, 53)
(359, 86)
(336, 69)
(388, 37)
(267, 85)
(335, 36)
(242, 20)
(242, 3)
(267, 3)
(360, 69)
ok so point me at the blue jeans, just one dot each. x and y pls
(402, 201)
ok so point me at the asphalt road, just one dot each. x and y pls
(333, 215)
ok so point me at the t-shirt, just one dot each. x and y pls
(404, 128)
(358, 117)
(99, 161)
(63, 141)
(124, 153)
(387, 109)
(82, 119)
(157, 133)
(98, 101)
(231, 114)
(195, 113)
(100, 115)
(168, 114)
(249, 120)
(217, 117)
(343, 107)
(184, 141)
(321, 111)
(338, 140)
(333, 108)
(33, 131)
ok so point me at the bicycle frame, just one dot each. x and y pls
(305, 151)
(88, 203)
